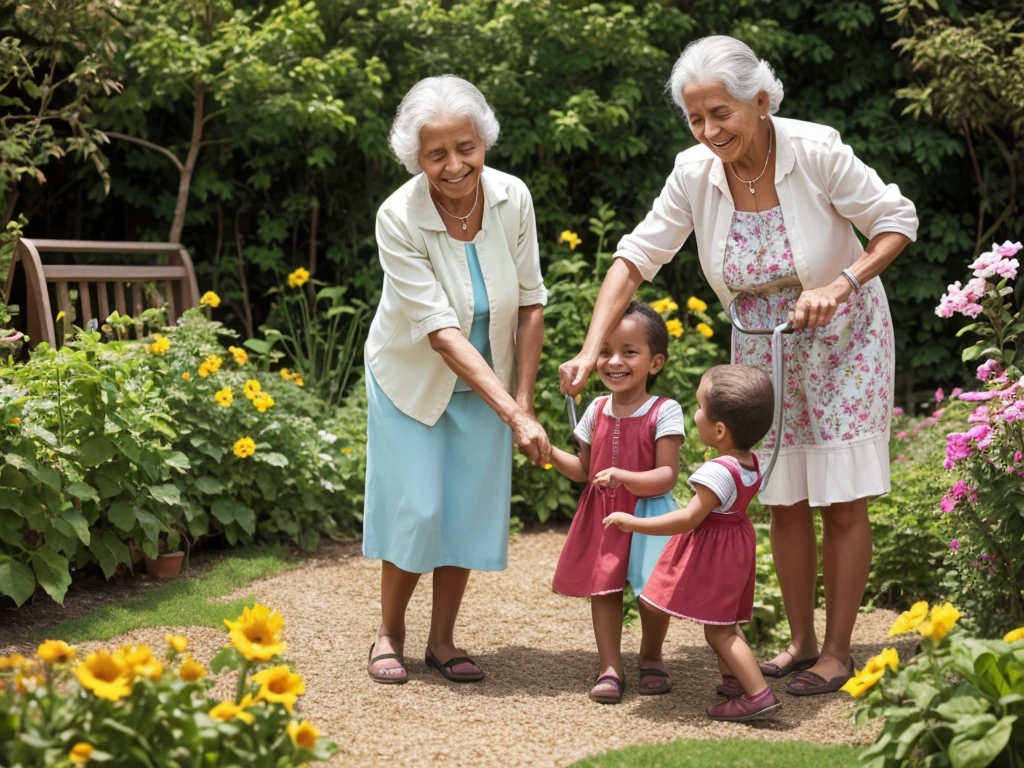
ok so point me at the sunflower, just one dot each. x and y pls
(909, 620)
(160, 344)
(696, 305)
(1014, 635)
(251, 388)
(256, 634)
(213, 362)
(240, 355)
(80, 753)
(105, 675)
(285, 374)
(190, 670)
(210, 299)
(303, 734)
(661, 306)
(279, 685)
(263, 401)
(140, 662)
(14, 661)
(705, 330)
(55, 652)
(224, 397)
(570, 237)
(298, 278)
(941, 620)
(177, 642)
(228, 710)
(674, 328)
(244, 447)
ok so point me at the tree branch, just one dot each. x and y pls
(212, 115)
(148, 145)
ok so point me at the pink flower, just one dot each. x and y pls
(901, 435)
(954, 544)
(976, 288)
(939, 395)
(959, 489)
(901, 457)
(1007, 249)
(1008, 268)
(947, 504)
(897, 411)
(957, 391)
(988, 369)
(975, 397)
(985, 265)
(1017, 456)
(958, 446)
(979, 416)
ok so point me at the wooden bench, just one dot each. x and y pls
(37, 287)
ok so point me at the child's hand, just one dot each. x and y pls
(609, 478)
(620, 520)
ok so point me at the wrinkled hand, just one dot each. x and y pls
(531, 439)
(816, 307)
(573, 375)
(609, 478)
(620, 520)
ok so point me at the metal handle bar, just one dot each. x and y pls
(786, 327)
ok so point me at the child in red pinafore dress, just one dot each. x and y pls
(706, 572)
(629, 457)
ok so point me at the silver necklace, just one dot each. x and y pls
(476, 199)
(750, 182)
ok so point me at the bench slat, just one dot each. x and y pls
(104, 302)
(101, 246)
(86, 299)
(76, 272)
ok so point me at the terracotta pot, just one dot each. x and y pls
(166, 566)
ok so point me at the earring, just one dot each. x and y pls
(763, 116)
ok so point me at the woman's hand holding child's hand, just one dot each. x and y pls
(620, 520)
(608, 478)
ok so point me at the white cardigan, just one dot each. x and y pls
(823, 189)
(427, 286)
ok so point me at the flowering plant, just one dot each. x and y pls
(959, 702)
(986, 496)
(133, 706)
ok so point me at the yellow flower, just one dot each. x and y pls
(297, 380)
(55, 652)
(140, 662)
(256, 634)
(160, 344)
(244, 447)
(661, 306)
(240, 355)
(858, 685)
(298, 278)
(1014, 636)
(80, 753)
(105, 675)
(204, 370)
(210, 299)
(177, 642)
(15, 421)
(14, 661)
(705, 330)
(570, 237)
(251, 388)
(263, 401)
(213, 363)
(675, 328)
(190, 670)
(887, 658)
(941, 620)
(60, 316)
(346, 450)
(285, 374)
(303, 734)
(224, 397)
(279, 685)
(909, 620)
(186, 376)
(228, 710)
(696, 305)
(578, 398)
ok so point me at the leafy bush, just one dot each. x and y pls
(959, 702)
(130, 706)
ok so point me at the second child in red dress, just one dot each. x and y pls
(706, 572)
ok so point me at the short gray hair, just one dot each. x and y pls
(439, 98)
(730, 62)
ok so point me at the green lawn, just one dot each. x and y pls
(186, 601)
(734, 753)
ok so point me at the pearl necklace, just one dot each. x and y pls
(750, 182)
(476, 199)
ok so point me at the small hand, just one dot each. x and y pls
(620, 520)
(609, 478)
(816, 307)
(573, 375)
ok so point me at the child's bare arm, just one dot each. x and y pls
(653, 482)
(680, 521)
(576, 468)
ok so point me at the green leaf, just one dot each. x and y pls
(258, 346)
(224, 510)
(83, 491)
(109, 550)
(179, 461)
(961, 706)
(971, 353)
(122, 514)
(227, 659)
(908, 738)
(922, 694)
(165, 494)
(72, 523)
(209, 485)
(96, 450)
(52, 573)
(968, 752)
(246, 518)
(150, 525)
(16, 580)
(273, 459)
(47, 476)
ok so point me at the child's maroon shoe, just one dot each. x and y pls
(745, 707)
(730, 687)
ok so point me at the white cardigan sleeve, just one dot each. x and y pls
(658, 238)
(859, 195)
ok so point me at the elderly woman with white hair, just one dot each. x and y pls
(773, 203)
(458, 330)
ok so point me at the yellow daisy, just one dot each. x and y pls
(55, 652)
(256, 634)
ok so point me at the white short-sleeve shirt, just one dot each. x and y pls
(719, 480)
(670, 418)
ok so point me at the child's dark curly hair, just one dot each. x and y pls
(654, 330)
(741, 397)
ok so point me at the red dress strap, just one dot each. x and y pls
(744, 493)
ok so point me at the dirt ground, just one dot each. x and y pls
(538, 652)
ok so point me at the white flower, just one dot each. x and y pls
(327, 437)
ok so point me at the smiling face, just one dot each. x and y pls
(728, 127)
(452, 157)
(626, 360)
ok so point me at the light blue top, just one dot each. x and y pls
(479, 334)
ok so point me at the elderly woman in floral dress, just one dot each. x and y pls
(773, 203)
(451, 361)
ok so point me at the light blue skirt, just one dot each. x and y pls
(645, 550)
(439, 495)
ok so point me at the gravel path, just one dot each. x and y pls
(537, 650)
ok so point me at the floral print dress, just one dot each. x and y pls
(838, 388)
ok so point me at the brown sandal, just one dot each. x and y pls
(665, 682)
(603, 697)
(813, 684)
(446, 669)
(771, 669)
(380, 677)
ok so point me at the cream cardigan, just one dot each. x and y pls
(427, 286)
(825, 192)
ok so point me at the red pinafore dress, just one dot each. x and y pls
(707, 574)
(596, 560)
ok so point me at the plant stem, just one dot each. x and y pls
(243, 674)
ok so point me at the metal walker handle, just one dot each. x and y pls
(778, 371)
